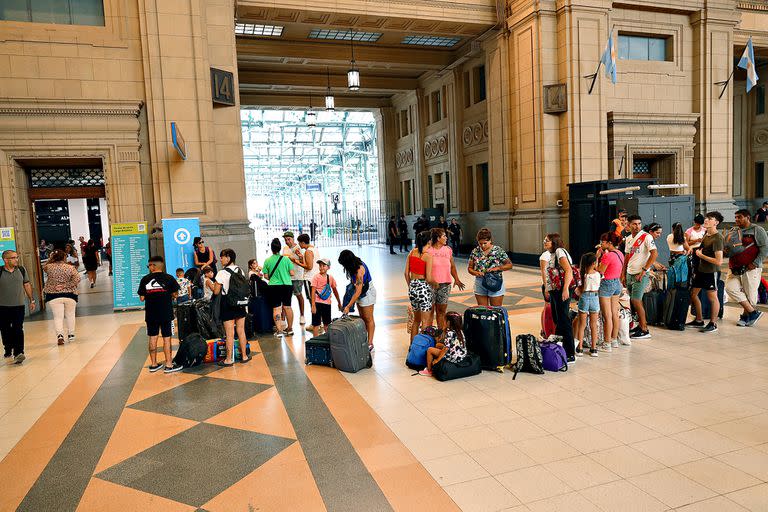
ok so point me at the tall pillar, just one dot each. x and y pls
(713, 62)
(178, 57)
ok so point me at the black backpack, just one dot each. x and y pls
(528, 355)
(239, 288)
(192, 350)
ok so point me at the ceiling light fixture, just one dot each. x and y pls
(330, 102)
(311, 115)
(353, 75)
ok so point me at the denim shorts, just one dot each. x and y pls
(589, 303)
(485, 292)
(609, 288)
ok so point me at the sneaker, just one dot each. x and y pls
(711, 327)
(8, 354)
(754, 317)
(309, 328)
(695, 324)
(571, 360)
(154, 367)
(371, 347)
(614, 343)
(605, 347)
(60, 339)
(579, 352)
(425, 372)
(289, 332)
(71, 338)
(19, 358)
(640, 335)
(627, 342)
(742, 322)
(593, 352)
(93, 284)
(301, 320)
(278, 334)
(173, 369)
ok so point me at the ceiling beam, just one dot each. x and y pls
(330, 52)
(319, 81)
(249, 98)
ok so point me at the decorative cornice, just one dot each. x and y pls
(69, 108)
(645, 118)
(752, 6)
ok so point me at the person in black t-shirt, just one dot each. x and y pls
(392, 234)
(157, 290)
(402, 229)
(454, 238)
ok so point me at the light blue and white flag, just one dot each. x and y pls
(609, 59)
(747, 62)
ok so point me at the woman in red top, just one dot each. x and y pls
(418, 275)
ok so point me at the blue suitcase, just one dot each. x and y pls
(317, 351)
(487, 333)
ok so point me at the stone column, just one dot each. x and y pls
(713, 62)
(181, 42)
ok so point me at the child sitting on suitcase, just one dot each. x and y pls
(451, 344)
(323, 285)
(589, 305)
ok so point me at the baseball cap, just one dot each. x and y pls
(324, 261)
(288, 234)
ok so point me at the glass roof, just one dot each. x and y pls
(286, 160)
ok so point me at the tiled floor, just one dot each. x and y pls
(677, 422)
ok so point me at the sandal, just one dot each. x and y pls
(248, 360)
(224, 363)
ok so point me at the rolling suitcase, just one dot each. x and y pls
(317, 351)
(186, 317)
(486, 330)
(445, 370)
(676, 308)
(547, 322)
(261, 315)
(349, 344)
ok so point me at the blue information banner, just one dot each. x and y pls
(130, 255)
(7, 241)
(178, 235)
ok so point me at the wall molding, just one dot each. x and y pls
(70, 108)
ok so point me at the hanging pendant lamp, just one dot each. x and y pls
(311, 115)
(353, 75)
(330, 102)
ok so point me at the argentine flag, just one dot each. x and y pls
(609, 59)
(747, 62)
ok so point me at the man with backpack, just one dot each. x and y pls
(235, 290)
(641, 254)
(746, 246)
(14, 285)
(157, 291)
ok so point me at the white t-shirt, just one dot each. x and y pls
(695, 237)
(672, 245)
(298, 271)
(592, 282)
(641, 252)
(207, 292)
(554, 262)
(545, 256)
(222, 276)
(312, 272)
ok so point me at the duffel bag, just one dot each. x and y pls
(445, 370)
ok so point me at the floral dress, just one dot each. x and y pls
(496, 257)
(456, 349)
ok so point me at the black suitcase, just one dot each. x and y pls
(446, 370)
(676, 308)
(261, 315)
(349, 344)
(653, 303)
(486, 331)
(705, 305)
(317, 350)
(186, 317)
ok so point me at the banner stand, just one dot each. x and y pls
(130, 255)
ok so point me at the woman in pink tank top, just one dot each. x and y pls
(610, 264)
(443, 272)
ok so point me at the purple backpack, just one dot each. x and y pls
(553, 357)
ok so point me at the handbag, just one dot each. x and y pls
(493, 281)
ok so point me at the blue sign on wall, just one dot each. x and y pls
(130, 255)
(314, 187)
(178, 235)
(7, 241)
